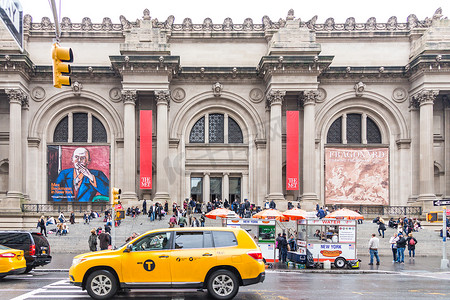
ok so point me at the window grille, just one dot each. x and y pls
(80, 127)
(198, 132)
(234, 132)
(98, 131)
(216, 132)
(334, 135)
(373, 132)
(61, 134)
(354, 129)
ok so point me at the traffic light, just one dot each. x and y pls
(432, 217)
(120, 215)
(116, 195)
(61, 56)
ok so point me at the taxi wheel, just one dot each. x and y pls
(223, 284)
(101, 285)
(340, 262)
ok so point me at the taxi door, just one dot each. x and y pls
(192, 257)
(148, 261)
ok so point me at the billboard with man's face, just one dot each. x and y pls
(358, 176)
(78, 173)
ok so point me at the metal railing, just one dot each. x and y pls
(385, 210)
(64, 207)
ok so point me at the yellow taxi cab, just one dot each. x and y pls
(12, 261)
(217, 259)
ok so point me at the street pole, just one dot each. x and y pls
(56, 18)
(444, 261)
(113, 229)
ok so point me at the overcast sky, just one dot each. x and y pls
(237, 10)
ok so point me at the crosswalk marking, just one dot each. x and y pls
(55, 290)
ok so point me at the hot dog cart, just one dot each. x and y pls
(331, 240)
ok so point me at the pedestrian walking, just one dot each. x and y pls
(411, 242)
(374, 243)
(41, 225)
(105, 240)
(283, 248)
(202, 220)
(401, 244)
(144, 207)
(72, 218)
(393, 241)
(381, 227)
(93, 240)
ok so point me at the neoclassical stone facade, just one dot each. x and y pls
(219, 95)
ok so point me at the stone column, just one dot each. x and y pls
(206, 187)
(25, 158)
(309, 197)
(275, 99)
(129, 98)
(226, 186)
(447, 146)
(15, 193)
(425, 100)
(245, 186)
(162, 146)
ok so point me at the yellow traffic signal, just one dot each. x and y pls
(116, 195)
(61, 56)
(120, 215)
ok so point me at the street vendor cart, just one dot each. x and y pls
(262, 231)
(331, 240)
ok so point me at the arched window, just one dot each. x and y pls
(354, 134)
(334, 135)
(217, 132)
(234, 132)
(83, 126)
(198, 132)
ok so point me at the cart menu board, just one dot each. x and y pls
(347, 234)
(266, 234)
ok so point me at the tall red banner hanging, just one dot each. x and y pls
(292, 153)
(146, 149)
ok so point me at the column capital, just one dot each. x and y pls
(423, 97)
(17, 96)
(206, 173)
(309, 97)
(275, 97)
(226, 173)
(162, 97)
(129, 96)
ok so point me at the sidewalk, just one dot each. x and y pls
(61, 262)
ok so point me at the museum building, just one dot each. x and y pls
(370, 102)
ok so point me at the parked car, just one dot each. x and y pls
(217, 259)
(34, 245)
(12, 261)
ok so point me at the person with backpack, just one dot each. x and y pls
(411, 242)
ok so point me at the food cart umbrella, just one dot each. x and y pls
(345, 213)
(295, 214)
(270, 214)
(218, 212)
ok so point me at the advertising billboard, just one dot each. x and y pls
(78, 173)
(357, 176)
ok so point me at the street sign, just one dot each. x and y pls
(443, 202)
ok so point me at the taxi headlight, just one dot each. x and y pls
(76, 261)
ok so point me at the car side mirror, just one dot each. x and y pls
(129, 248)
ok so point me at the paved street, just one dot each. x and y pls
(278, 285)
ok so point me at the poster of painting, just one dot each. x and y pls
(78, 173)
(358, 176)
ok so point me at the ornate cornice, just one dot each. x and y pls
(17, 96)
(129, 96)
(162, 97)
(310, 97)
(228, 25)
(146, 64)
(423, 97)
(275, 97)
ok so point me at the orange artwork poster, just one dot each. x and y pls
(357, 176)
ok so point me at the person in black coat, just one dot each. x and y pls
(411, 242)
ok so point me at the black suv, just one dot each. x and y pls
(34, 245)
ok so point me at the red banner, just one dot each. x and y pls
(146, 149)
(292, 152)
